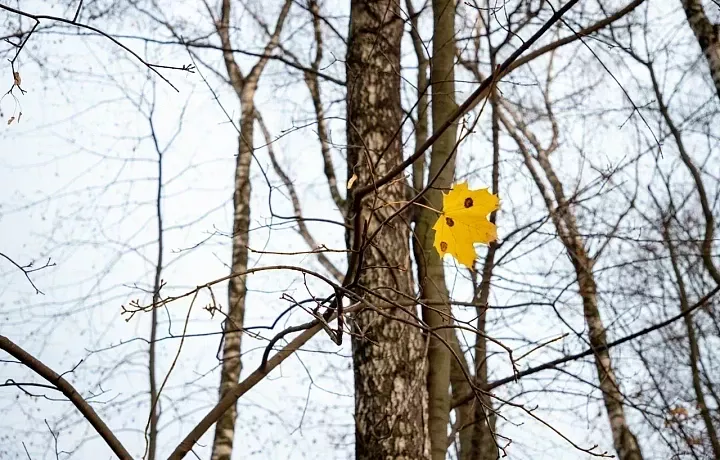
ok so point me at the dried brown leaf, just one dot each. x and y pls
(351, 181)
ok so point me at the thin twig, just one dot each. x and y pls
(27, 270)
(39, 17)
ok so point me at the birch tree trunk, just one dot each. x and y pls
(388, 350)
(245, 88)
(231, 364)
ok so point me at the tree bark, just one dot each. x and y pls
(237, 290)
(708, 37)
(388, 351)
(245, 88)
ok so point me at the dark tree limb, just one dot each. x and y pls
(69, 391)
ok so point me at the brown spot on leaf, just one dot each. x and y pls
(468, 202)
(449, 221)
(443, 246)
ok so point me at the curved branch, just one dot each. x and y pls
(69, 391)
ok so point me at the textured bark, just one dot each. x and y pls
(231, 364)
(388, 354)
(245, 88)
(708, 37)
(431, 272)
(562, 215)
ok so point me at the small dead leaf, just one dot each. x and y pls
(10, 120)
(16, 78)
(351, 181)
(679, 412)
(19, 115)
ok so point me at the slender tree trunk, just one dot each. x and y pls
(237, 290)
(421, 124)
(459, 387)
(694, 350)
(157, 285)
(483, 443)
(388, 353)
(152, 366)
(707, 256)
(708, 37)
(430, 265)
(624, 440)
(245, 88)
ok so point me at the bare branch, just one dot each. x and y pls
(42, 17)
(70, 392)
(27, 269)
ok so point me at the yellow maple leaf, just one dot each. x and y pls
(464, 222)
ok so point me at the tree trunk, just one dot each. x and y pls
(693, 346)
(624, 440)
(437, 315)
(245, 88)
(154, 418)
(483, 444)
(708, 37)
(231, 365)
(707, 257)
(388, 350)
(421, 124)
